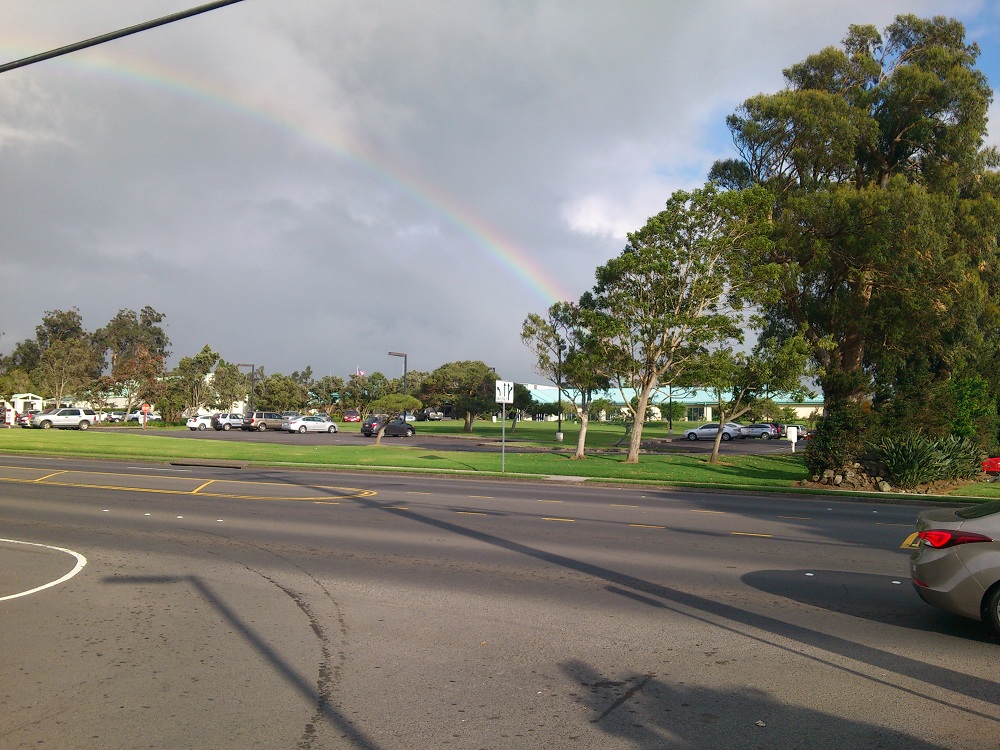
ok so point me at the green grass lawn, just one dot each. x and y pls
(667, 464)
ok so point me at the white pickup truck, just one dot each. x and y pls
(78, 419)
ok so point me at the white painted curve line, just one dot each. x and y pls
(80, 562)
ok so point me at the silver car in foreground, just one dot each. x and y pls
(308, 424)
(956, 563)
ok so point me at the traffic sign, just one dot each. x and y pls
(505, 392)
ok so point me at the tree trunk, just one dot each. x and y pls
(714, 458)
(468, 421)
(638, 420)
(581, 440)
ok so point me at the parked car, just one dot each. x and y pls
(802, 431)
(764, 430)
(151, 416)
(199, 422)
(74, 417)
(430, 414)
(730, 431)
(262, 420)
(227, 421)
(308, 424)
(116, 416)
(25, 419)
(956, 564)
(290, 414)
(352, 415)
(397, 427)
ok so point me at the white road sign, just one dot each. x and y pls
(505, 392)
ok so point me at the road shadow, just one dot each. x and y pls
(652, 711)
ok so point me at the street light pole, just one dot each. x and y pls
(403, 355)
(559, 432)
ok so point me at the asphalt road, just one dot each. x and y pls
(350, 434)
(274, 609)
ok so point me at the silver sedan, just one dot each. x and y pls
(308, 424)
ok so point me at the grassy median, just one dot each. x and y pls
(532, 451)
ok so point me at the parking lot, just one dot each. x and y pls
(350, 434)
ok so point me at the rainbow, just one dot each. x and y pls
(518, 262)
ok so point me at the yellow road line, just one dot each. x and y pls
(202, 486)
(797, 518)
(620, 505)
(716, 512)
(747, 533)
(549, 501)
(471, 513)
(645, 526)
(563, 520)
(482, 497)
(47, 476)
(413, 492)
(347, 492)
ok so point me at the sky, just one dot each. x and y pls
(319, 182)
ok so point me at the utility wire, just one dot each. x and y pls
(116, 35)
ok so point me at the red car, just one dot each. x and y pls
(992, 467)
(352, 415)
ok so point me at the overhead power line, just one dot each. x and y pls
(116, 35)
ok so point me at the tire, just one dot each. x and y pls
(726, 437)
(692, 436)
(991, 610)
(83, 425)
(201, 426)
(333, 429)
(766, 436)
(261, 427)
(302, 430)
(45, 425)
(409, 432)
(227, 427)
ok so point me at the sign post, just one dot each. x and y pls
(505, 395)
(145, 411)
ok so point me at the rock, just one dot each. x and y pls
(884, 486)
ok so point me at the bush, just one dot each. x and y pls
(840, 439)
(913, 460)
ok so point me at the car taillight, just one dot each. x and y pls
(943, 538)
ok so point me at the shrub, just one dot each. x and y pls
(839, 440)
(913, 460)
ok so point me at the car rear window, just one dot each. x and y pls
(980, 511)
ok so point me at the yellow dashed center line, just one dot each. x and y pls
(550, 501)
(482, 497)
(645, 526)
(797, 518)
(471, 513)
(716, 512)
(562, 520)
(413, 492)
(747, 533)
(620, 505)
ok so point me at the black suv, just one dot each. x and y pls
(262, 420)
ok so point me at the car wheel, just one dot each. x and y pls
(409, 432)
(766, 436)
(83, 425)
(201, 427)
(261, 427)
(726, 437)
(692, 436)
(45, 425)
(333, 428)
(991, 611)
(227, 427)
(302, 429)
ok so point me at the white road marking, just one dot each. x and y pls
(80, 562)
